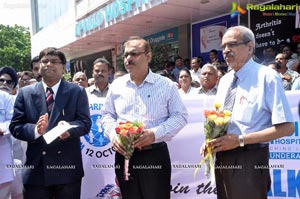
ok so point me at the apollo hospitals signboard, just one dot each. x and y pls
(98, 157)
(111, 13)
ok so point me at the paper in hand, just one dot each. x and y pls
(56, 131)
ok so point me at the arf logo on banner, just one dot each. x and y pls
(96, 135)
(236, 10)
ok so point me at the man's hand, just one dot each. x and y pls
(224, 143)
(203, 149)
(287, 78)
(42, 124)
(118, 145)
(145, 139)
(65, 134)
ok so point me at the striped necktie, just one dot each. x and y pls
(49, 99)
(230, 96)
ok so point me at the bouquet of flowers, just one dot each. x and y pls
(128, 132)
(214, 126)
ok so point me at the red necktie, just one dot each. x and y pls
(49, 99)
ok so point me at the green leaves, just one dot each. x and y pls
(15, 47)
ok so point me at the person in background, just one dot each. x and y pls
(292, 63)
(213, 56)
(144, 96)
(54, 170)
(8, 79)
(35, 68)
(195, 71)
(260, 114)
(111, 74)
(168, 68)
(185, 81)
(7, 177)
(80, 79)
(208, 80)
(269, 55)
(221, 73)
(25, 77)
(187, 63)
(275, 66)
(288, 76)
(8, 83)
(91, 81)
(178, 67)
(100, 74)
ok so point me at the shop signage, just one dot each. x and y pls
(112, 13)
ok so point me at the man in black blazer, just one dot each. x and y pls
(51, 170)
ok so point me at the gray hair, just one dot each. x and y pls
(208, 65)
(79, 74)
(246, 34)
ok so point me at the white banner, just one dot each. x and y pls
(98, 157)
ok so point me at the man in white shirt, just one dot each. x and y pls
(152, 99)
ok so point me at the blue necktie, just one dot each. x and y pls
(231, 93)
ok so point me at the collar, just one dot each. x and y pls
(244, 70)
(214, 89)
(150, 78)
(54, 88)
(94, 88)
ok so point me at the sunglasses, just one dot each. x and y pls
(8, 81)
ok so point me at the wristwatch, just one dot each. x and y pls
(241, 140)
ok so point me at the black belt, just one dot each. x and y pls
(154, 146)
(255, 146)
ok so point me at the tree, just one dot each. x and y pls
(15, 47)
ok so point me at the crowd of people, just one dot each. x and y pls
(33, 102)
(196, 78)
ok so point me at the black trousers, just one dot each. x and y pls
(63, 191)
(243, 173)
(150, 174)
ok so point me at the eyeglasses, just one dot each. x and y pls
(133, 54)
(10, 82)
(52, 61)
(25, 80)
(232, 45)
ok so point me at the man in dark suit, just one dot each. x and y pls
(52, 170)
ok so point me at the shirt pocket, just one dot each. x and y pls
(246, 107)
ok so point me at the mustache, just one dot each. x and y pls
(130, 62)
(230, 54)
(5, 89)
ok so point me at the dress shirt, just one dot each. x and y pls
(155, 102)
(260, 99)
(212, 91)
(54, 88)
